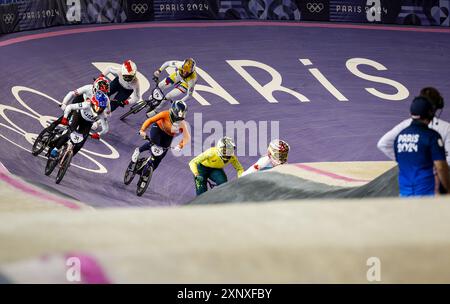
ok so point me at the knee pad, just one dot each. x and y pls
(135, 155)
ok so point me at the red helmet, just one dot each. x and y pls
(101, 84)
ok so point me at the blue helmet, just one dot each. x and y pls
(99, 101)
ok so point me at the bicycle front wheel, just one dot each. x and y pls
(64, 166)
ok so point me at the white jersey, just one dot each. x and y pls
(88, 114)
(188, 83)
(386, 143)
(87, 91)
(129, 85)
(264, 163)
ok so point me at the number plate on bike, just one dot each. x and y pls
(76, 138)
(157, 151)
(157, 94)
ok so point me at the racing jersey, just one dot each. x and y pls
(211, 159)
(88, 114)
(129, 85)
(163, 121)
(386, 142)
(86, 91)
(264, 163)
(187, 83)
(416, 149)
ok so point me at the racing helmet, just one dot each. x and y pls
(99, 102)
(278, 151)
(101, 84)
(178, 111)
(129, 70)
(187, 68)
(226, 147)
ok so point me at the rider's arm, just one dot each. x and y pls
(72, 94)
(170, 63)
(105, 126)
(263, 162)
(111, 70)
(153, 119)
(237, 165)
(253, 168)
(386, 142)
(136, 95)
(186, 134)
(76, 106)
(199, 159)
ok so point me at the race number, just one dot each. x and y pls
(76, 138)
(157, 151)
(157, 95)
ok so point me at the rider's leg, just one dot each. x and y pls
(63, 139)
(162, 139)
(200, 186)
(83, 128)
(118, 94)
(171, 96)
(171, 81)
(53, 125)
(137, 152)
(218, 176)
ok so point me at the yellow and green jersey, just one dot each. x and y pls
(210, 158)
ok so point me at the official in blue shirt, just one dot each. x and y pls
(418, 150)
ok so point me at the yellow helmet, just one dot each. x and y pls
(187, 68)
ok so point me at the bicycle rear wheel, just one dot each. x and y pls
(40, 143)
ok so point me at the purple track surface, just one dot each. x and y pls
(323, 129)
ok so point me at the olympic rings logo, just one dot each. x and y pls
(8, 18)
(315, 7)
(139, 8)
(15, 129)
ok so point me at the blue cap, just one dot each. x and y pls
(421, 108)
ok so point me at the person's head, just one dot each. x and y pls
(422, 109)
(187, 68)
(225, 148)
(129, 70)
(434, 96)
(101, 84)
(99, 102)
(278, 151)
(178, 111)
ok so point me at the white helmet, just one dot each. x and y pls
(129, 70)
(225, 147)
(278, 151)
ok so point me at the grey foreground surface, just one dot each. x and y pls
(325, 241)
(269, 186)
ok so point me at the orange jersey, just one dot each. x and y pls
(163, 121)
